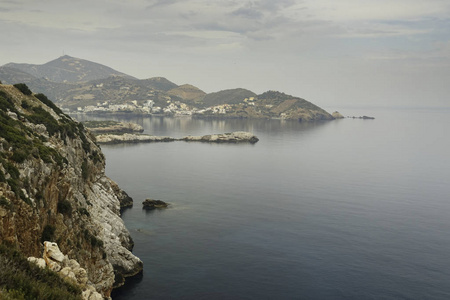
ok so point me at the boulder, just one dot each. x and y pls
(67, 268)
(152, 204)
(40, 262)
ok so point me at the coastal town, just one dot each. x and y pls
(173, 108)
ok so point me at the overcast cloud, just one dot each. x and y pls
(332, 53)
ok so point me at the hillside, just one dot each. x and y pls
(53, 188)
(271, 105)
(79, 85)
(188, 93)
(232, 96)
(68, 69)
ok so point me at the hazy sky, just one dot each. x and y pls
(330, 52)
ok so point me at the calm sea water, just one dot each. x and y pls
(347, 209)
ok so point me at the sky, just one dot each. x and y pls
(334, 53)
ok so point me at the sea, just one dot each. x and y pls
(343, 209)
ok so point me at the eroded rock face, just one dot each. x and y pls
(53, 188)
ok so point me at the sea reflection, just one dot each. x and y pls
(178, 127)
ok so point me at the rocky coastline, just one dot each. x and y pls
(232, 137)
(53, 188)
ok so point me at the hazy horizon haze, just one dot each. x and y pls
(376, 53)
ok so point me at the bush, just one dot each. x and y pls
(23, 88)
(20, 279)
(49, 103)
(42, 116)
(25, 105)
(84, 170)
(5, 202)
(64, 207)
(48, 233)
(83, 211)
(2, 176)
(6, 102)
(20, 155)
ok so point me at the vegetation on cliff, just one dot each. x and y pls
(21, 279)
(53, 187)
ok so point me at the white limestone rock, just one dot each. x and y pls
(91, 294)
(40, 262)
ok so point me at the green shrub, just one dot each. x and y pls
(12, 170)
(64, 207)
(2, 176)
(25, 105)
(49, 103)
(48, 233)
(41, 116)
(95, 242)
(84, 170)
(6, 102)
(20, 279)
(23, 88)
(83, 211)
(19, 155)
(5, 202)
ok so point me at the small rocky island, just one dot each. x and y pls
(149, 204)
(131, 138)
(98, 127)
(232, 137)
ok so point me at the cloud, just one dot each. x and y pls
(367, 10)
(192, 38)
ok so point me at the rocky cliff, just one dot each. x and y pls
(53, 187)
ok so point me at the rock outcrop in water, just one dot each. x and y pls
(53, 187)
(131, 138)
(152, 204)
(337, 115)
(112, 127)
(233, 137)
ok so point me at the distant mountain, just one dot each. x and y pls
(159, 83)
(68, 69)
(72, 82)
(13, 75)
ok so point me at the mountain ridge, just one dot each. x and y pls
(68, 69)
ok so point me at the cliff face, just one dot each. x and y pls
(53, 188)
